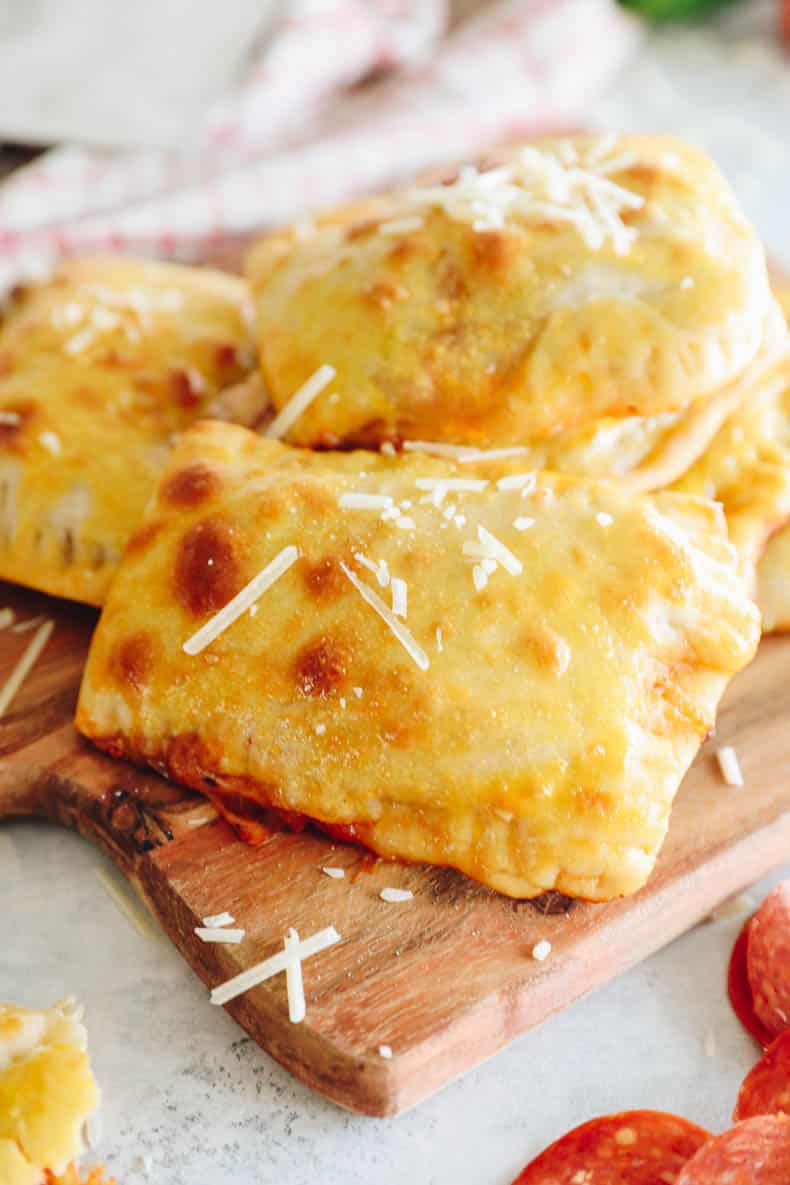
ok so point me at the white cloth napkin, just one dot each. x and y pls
(300, 132)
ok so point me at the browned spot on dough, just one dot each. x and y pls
(187, 759)
(360, 229)
(382, 294)
(226, 356)
(451, 283)
(206, 573)
(191, 486)
(491, 249)
(324, 579)
(403, 250)
(321, 666)
(143, 536)
(19, 415)
(132, 659)
(547, 649)
(6, 363)
(184, 388)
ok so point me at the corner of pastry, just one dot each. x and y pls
(481, 666)
(47, 1095)
(100, 364)
(574, 281)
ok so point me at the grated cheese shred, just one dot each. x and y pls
(538, 184)
(297, 1007)
(404, 636)
(242, 601)
(395, 896)
(729, 765)
(300, 401)
(400, 594)
(219, 919)
(253, 976)
(24, 665)
(354, 500)
(219, 934)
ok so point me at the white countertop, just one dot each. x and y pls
(183, 1085)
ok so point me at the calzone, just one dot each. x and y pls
(507, 671)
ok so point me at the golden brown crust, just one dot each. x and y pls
(104, 362)
(452, 330)
(543, 742)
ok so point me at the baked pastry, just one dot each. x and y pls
(773, 582)
(47, 1093)
(600, 300)
(99, 366)
(523, 709)
(747, 468)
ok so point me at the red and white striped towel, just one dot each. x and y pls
(302, 133)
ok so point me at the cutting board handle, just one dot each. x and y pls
(127, 812)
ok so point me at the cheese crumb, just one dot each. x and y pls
(395, 896)
(729, 765)
(385, 1051)
(337, 874)
(541, 950)
(523, 522)
(218, 934)
(50, 442)
(603, 519)
(219, 919)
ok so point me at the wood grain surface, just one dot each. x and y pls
(446, 979)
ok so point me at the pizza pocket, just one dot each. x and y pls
(100, 365)
(602, 300)
(505, 672)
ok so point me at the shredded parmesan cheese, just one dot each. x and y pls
(337, 874)
(218, 934)
(729, 765)
(479, 578)
(473, 484)
(541, 950)
(437, 449)
(7, 617)
(219, 919)
(496, 550)
(439, 642)
(395, 896)
(399, 226)
(404, 636)
(385, 1051)
(242, 601)
(603, 519)
(494, 454)
(516, 481)
(24, 665)
(353, 500)
(400, 593)
(50, 442)
(539, 185)
(258, 974)
(22, 627)
(300, 401)
(523, 522)
(297, 1007)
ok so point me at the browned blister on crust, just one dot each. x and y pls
(532, 723)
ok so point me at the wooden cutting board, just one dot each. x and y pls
(446, 979)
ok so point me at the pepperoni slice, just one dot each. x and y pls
(630, 1148)
(740, 992)
(768, 960)
(755, 1152)
(766, 1089)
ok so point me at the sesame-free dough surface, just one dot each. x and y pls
(595, 279)
(536, 736)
